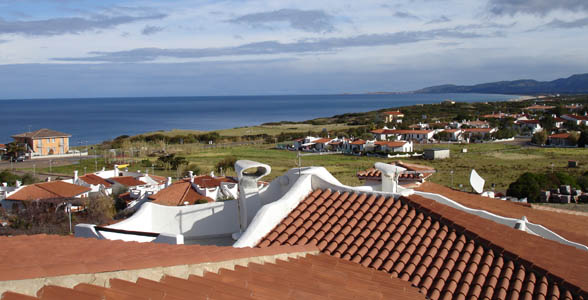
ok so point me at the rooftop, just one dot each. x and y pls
(178, 194)
(48, 191)
(394, 113)
(559, 136)
(95, 180)
(445, 252)
(302, 274)
(42, 133)
(127, 180)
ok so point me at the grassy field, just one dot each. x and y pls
(498, 164)
(261, 129)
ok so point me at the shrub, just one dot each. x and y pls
(226, 164)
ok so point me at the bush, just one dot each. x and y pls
(226, 164)
(539, 138)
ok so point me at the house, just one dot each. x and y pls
(445, 243)
(558, 122)
(44, 142)
(2, 149)
(403, 135)
(414, 174)
(355, 146)
(436, 153)
(97, 184)
(499, 115)
(539, 108)
(477, 124)
(559, 139)
(53, 192)
(533, 126)
(197, 190)
(321, 145)
(393, 146)
(393, 117)
(454, 135)
(481, 132)
(576, 119)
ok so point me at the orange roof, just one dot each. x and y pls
(495, 116)
(400, 131)
(375, 174)
(2, 146)
(446, 253)
(527, 121)
(572, 227)
(393, 113)
(48, 191)
(179, 194)
(577, 117)
(452, 130)
(312, 276)
(391, 144)
(42, 133)
(322, 141)
(95, 180)
(539, 107)
(559, 136)
(159, 179)
(478, 129)
(357, 142)
(207, 181)
(477, 123)
(127, 180)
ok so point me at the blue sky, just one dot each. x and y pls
(67, 48)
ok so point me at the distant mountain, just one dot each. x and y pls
(575, 84)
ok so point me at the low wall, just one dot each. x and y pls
(59, 155)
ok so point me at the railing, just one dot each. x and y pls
(130, 232)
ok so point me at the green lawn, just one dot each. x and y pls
(499, 164)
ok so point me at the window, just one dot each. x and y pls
(53, 140)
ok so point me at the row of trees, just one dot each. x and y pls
(529, 185)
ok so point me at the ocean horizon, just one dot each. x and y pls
(93, 120)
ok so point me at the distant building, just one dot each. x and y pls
(54, 192)
(436, 153)
(560, 139)
(44, 142)
(539, 108)
(393, 117)
(578, 120)
(530, 125)
(395, 146)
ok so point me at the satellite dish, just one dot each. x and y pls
(477, 182)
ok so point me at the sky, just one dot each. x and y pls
(125, 48)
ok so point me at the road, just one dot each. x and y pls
(40, 164)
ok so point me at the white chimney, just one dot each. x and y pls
(18, 183)
(48, 178)
(249, 201)
(390, 175)
(4, 184)
(115, 171)
(146, 171)
(75, 179)
(191, 174)
(168, 182)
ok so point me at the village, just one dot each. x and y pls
(305, 208)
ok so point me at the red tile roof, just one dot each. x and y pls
(577, 117)
(452, 130)
(2, 146)
(95, 180)
(478, 129)
(539, 107)
(358, 142)
(322, 141)
(400, 131)
(127, 180)
(375, 174)
(178, 194)
(42, 133)
(310, 277)
(48, 191)
(572, 227)
(527, 121)
(391, 144)
(394, 113)
(559, 136)
(159, 179)
(207, 181)
(446, 253)
(38, 256)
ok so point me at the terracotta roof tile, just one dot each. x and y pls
(394, 113)
(42, 133)
(375, 174)
(179, 194)
(27, 257)
(95, 180)
(48, 191)
(446, 253)
(310, 277)
(559, 136)
(127, 180)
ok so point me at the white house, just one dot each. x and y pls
(529, 125)
(577, 119)
(393, 146)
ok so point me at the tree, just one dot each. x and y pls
(583, 139)
(226, 164)
(539, 138)
(573, 138)
(14, 150)
(526, 186)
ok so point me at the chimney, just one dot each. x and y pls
(4, 184)
(147, 171)
(18, 183)
(48, 178)
(115, 171)
(191, 174)
(249, 201)
(168, 182)
(75, 179)
(390, 175)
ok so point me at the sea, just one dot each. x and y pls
(93, 120)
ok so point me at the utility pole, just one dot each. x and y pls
(50, 166)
